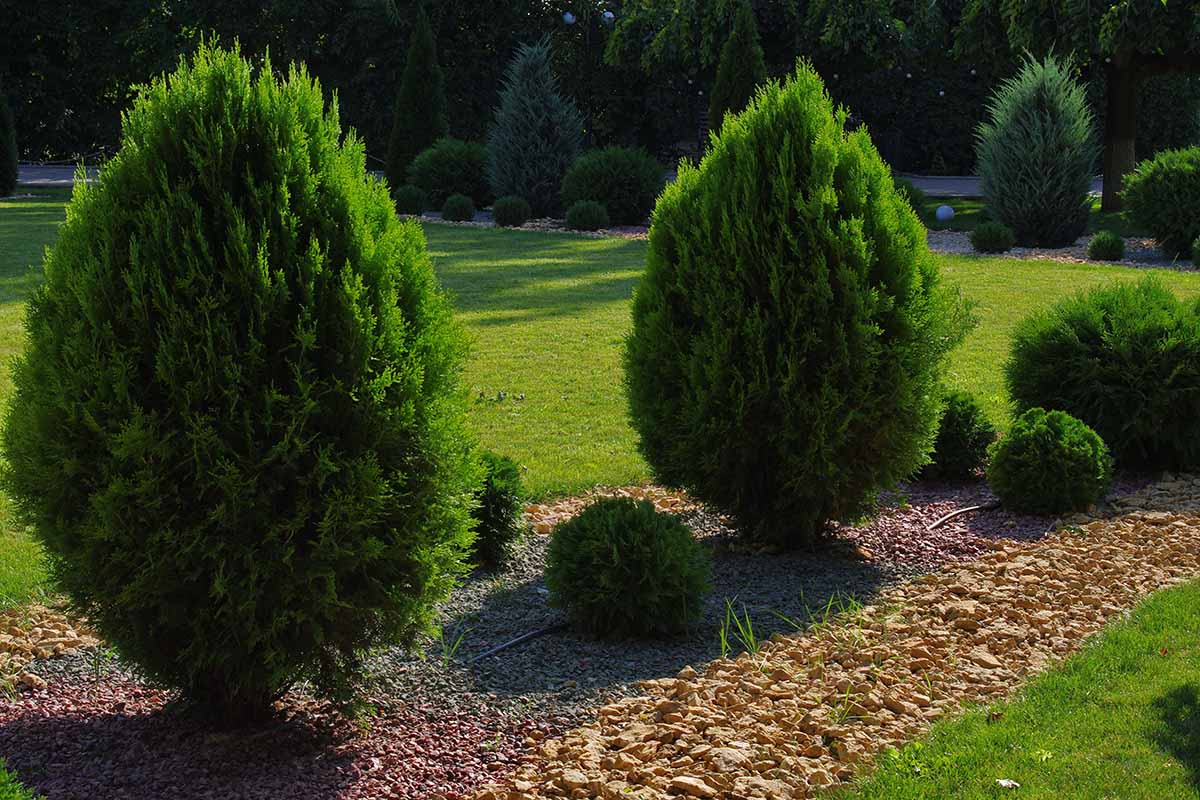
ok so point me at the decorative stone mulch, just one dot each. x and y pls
(1139, 252)
(36, 632)
(808, 709)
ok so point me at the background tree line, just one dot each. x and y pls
(916, 71)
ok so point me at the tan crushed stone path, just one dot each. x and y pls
(808, 708)
(35, 631)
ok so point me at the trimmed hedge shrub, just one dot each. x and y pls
(410, 199)
(992, 237)
(964, 435)
(237, 426)
(1163, 196)
(458, 208)
(537, 133)
(449, 167)
(625, 180)
(791, 325)
(621, 568)
(1037, 154)
(587, 215)
(1049, 463)
(511, 211)
(497, 510)
(741, 68)
(419, 114)
(8, 148)
(1106, 246)
(1125, 359)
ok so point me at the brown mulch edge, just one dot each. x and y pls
(808, 709)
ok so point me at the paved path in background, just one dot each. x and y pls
(934, 185)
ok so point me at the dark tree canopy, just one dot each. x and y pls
(741, 69)
(419, 117)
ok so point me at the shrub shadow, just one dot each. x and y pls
(1179, 712)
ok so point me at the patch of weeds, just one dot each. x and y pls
(737, 628)
(449, 647)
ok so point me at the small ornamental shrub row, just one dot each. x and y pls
(621, 568)
(511, 211)
(1106, 246)
(458, 208)
(587, 215)
(992, 237)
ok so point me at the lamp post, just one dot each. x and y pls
(589, 10)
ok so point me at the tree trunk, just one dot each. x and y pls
(1120, 128)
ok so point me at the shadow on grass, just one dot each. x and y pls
(26, 227)
(514, 277)
(1179, 712)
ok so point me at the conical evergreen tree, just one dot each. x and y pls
(8, 148)
(741, 69)
(420, 111)
(536, 135)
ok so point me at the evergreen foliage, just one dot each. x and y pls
(992, 237)
(1125, 359)
(452, 166)
(497, 510)
(1049, 463)
(536, 135)
(1106, 246)
(1163, 196)
(791, 324)
(511, 211)
(419, 115)
(8, 148)
(237, 426)
(410, 199)
(1037, 154)
(587, 215)
(741, 69)
(625, 180)
(458, 208)
(622, 568)
(964, 435)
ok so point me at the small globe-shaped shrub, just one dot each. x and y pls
(1163, 196)
(1049, 463)
(410, 199)
(511, 211)
(458, 208)
(791, 325)
(1125, 359)
(587, 215)
(992, 237)
(451, 166)
(621, 568)
(1106, 246)
(964, 435)
(237, 426)
(497, 511)
(1037, 154)
(625, 180)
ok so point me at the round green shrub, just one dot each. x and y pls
(992, 237)
(587, 215)
(791, 324)
(410, 199)
(625, 180)
(1036, 155)
(1106, 246)
(458, 208)
(237, 427)
(1125, 359)
(621, 568)
(1163, 196)
(1049, 463)
(497, 510)
(451, 167)
(964, 435)
(511, 211)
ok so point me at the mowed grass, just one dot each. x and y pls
(1119, 720)
(547, 314)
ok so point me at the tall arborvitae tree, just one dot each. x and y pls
(741, 70)
(420, 112)
(8, 148)
(537, 133)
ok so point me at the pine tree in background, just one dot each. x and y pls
(420, 112)
(536, 135)
(8, 148)
(740, 71)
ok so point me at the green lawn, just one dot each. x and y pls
(1119, 720)
(970, 211)
(548, 313)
